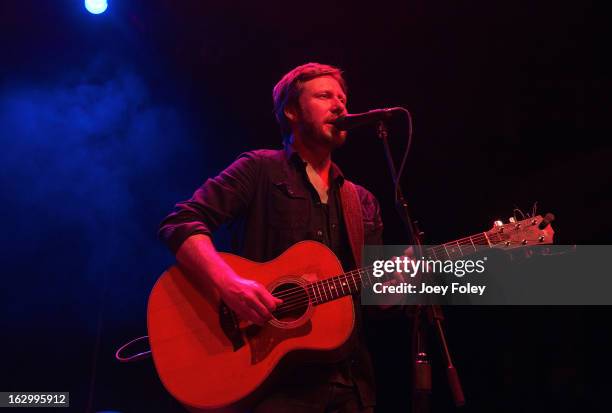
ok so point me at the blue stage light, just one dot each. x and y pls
(96, 6)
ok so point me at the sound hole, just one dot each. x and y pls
(295, 302)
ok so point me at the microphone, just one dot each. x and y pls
(352, 121)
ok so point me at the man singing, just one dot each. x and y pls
(273, 199)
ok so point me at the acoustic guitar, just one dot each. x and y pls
(210, 360)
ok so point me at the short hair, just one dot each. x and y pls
(287, 91)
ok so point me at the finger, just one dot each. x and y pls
(253, 315)
(244, 310)
(255, 318)
(257, 306)
(268, 299)
(246, 317)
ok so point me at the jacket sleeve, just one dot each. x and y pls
(218, 200)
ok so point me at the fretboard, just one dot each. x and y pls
(457, 249)
(351, 282)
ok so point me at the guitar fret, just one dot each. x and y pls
(345, 286)
(445, 250)
(354, 282)
(459, 246)
(487, 238)
(311, 296)
(365, 270)
(324, 291)
(320, 297)
(328, 291)
(465, 242)
(439, 252)
(320, 287)
(472, 241)
(341, 284)
(333, 286)
(359, 281)
(314, 291)
(351, 286)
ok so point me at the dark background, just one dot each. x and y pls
(106, 121)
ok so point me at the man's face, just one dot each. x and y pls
(322, 101)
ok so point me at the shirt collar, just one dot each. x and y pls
(336, 174)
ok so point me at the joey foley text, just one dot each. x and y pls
(428, 272)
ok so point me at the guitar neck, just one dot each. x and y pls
(351, 282)
(457, 249)
(535, 230)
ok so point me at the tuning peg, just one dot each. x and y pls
(548, 218)
(498, 223)
(512, 220)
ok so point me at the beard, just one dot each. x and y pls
(323, 134)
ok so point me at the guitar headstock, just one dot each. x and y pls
(515, 234)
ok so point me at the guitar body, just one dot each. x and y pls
(208, 361)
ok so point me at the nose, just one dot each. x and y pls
(338, 108)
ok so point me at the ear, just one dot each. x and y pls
(290, 113)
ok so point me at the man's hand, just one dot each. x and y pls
(248, 299)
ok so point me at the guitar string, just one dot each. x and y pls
(301, 303)
(299, 300)
(343, 278)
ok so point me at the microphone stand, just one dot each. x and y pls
(421, 390)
